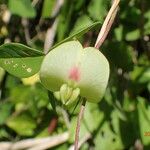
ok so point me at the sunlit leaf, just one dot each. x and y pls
(82, 22)
(17, 50)
(144, 120)
(97, 9)
(79, 32)
(48, 8)
(20, 60)
(22, 8)
(23, 124)
(5, 111)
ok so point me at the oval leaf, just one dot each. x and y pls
(22, 67)
(22, 8)
(20, 60)
(17, 50)
(78, 33)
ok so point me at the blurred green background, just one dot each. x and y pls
(121, 121)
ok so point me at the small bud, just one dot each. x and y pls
(68, 93)
(63, 92)
(57, 95)
(74, 96)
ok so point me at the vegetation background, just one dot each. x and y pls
(122, 119)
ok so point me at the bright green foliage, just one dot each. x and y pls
(79, 30)
(5, 111)
(23, 125)
(20, 60)
(22, 8)
(97, 9)
(144, 117)
(121, 119)
(70, 64)
(82, 23)
(48, 7)
(22, 67)
(17, 50)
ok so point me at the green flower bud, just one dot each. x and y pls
(57, 95)
(63, 92)
(73, 96)
(67, 94)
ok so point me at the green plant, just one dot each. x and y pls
(120, 120)
(65, 69)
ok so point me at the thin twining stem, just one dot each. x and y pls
(107, 24)
(80, 116)
(100, 39)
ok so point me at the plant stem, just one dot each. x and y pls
(79, 124)
(107, 24)
(100, 39)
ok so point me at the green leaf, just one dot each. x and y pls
(140, 75)
(5, 110)
(82, 22)
(20, 60)
(2, 73)
(79, 32)
(65, 18)
(79, 4)
(119, 33)
(47, 8)
(22, 8)
(144, 119)
(120, 55)
(23, 124)
(52, 100)
(17, 50)
(91, 112)
(31, 98)
(4, 133)
(97, 9)
(107, 139)
(22, 67)
(133, 35)
(147, 23)
(131, 12)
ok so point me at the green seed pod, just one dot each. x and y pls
(72, 70)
